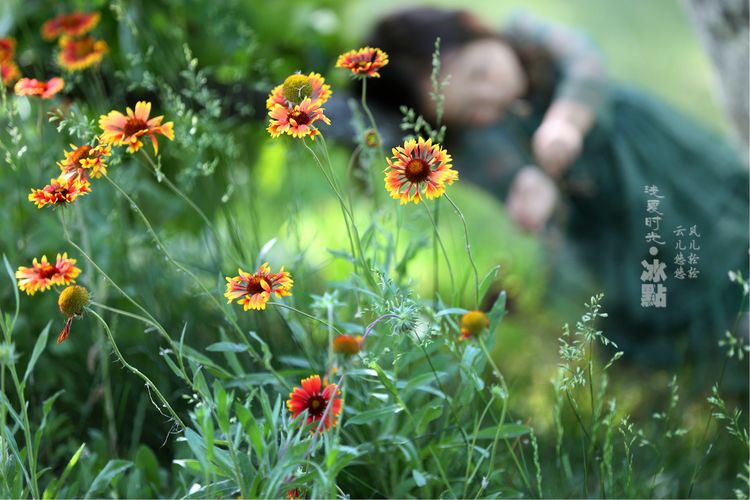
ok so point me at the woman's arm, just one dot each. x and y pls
(578, 96)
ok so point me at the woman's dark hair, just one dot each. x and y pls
(408, 37)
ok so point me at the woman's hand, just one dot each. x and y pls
(532, 199)
(556, 144)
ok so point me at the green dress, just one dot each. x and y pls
(637, 143)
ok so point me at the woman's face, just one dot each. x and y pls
(485, 77)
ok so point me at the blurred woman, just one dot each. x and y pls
(655, 206)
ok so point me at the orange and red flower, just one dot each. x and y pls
(255, 290)
(85, 161)
(7, 48)
(296, 88)
(77, 54)
(418, 168)
(42, 275)
(310, 398)
(73, 24)
(9, 72)
(364, 62)
(298, 120)
(122, 130)
(45, 90)
(60, 191)
(348, 345)
(473, 323)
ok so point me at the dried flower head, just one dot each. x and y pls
(72, 301)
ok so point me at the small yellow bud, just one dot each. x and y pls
(474, 323)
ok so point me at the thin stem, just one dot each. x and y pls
(302, 313)
(135, 371)
(442, 247)
(468, 248)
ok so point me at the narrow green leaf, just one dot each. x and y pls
(41, 343)
(108, 474)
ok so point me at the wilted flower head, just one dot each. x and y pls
(42, 275)
(71, 302)
(77, 54)
(34, 87)
(60, 191)
(309, 397)
(85, 161)
(128, 130)
(255, 290)
(473, 323)
(364, 62)
(418, 168)
(73, 25)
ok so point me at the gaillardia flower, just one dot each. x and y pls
(43, 275)
(71, 302)
(296, 88)
(348, 345)
(74, 24)
(309, 397)
(45, 90)
(60, 191)
(364, 62)
(417, 168)
(85, 161)
(254, 290)
(9, 71)
(127, 130)
(473, 323)
(77, 54)
(7, 48)
(298, 120)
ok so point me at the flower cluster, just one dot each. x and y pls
(295, 105)
(78, 51)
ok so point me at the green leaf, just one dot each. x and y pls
(41, 343)
(371, 415)
(426, 415)
(146, 462)
(419, 478)
(226, 347)
(108, 474)
(506, 431)
(51, 490)
(497, 312)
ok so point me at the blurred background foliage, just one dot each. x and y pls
(204, 65)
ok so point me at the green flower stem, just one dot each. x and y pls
(442, 247)
(309, 316)
(135, 371)
(348, 216)
(468, 249)
(130, 299)
(160, 245)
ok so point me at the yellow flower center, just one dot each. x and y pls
(417, 170)
(72, 300)
(296, 88)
